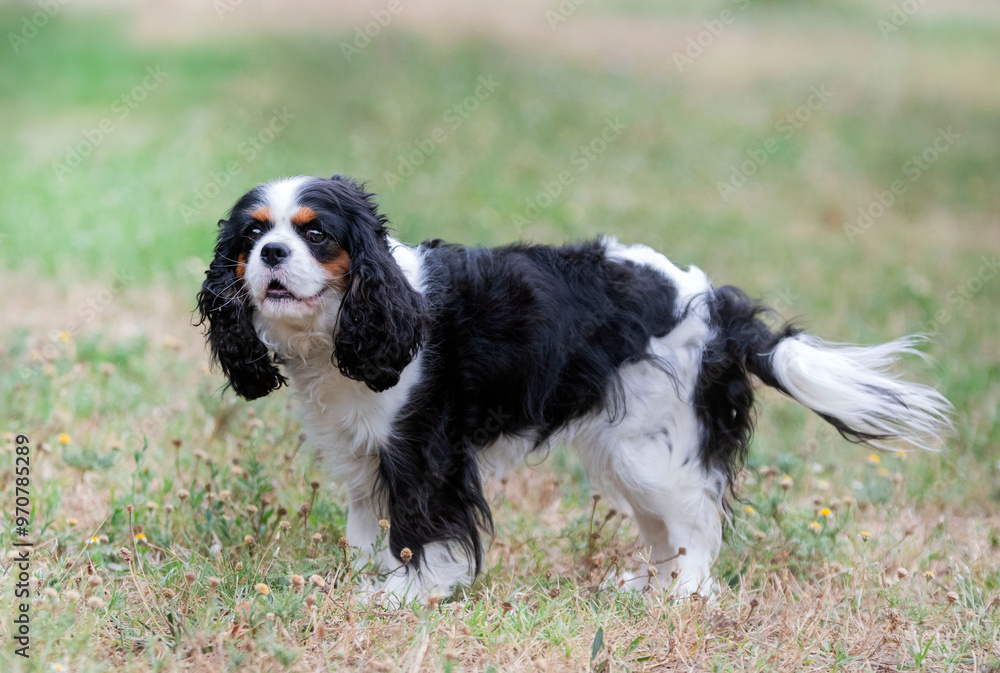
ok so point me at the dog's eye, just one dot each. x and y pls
(315, 236)
(254, 233)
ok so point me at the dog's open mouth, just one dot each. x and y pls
(278, 292)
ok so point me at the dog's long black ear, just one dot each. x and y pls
(382, 318)
(224, 304)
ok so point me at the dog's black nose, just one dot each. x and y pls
(273, 253)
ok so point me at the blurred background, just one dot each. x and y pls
(838, 159)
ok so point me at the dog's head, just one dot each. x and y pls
(302, 255)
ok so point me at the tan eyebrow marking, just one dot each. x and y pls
(304, 215)
(262, 214)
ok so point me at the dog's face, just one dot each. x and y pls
(306, 254)
(292, 258)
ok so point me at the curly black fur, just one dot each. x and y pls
(225, 306)
(382, 318)
(724, 397)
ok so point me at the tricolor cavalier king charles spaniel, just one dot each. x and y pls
(423, 370)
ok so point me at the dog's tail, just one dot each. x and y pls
(851, 387)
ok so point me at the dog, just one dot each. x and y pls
(422, 371)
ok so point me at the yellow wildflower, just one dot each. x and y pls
(825, 511)
(815, 526)
(874, 458)
(865, 535)
(63, 438)
(263, 589)
(749, 510)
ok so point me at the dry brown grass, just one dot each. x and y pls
(799, 600)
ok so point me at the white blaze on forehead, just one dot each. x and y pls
(282, 198)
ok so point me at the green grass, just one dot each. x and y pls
(120, 372)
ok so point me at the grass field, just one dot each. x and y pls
(176, 528)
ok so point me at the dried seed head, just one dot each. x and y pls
(310, 601)
(298, 581)
(239, 566)
(433, 602)
(95, 603)
(952, 597)
(214, 582)
(314, 485)
(169, 593)
(405, 554)
(126, 554)
(901, 573)
(248, 539)
(50, 593)
(183, 494)
(317, 581)
(682, 551)
(263, 589)
(383, 524)
(252, 509)
(71, 596)
(169, 509)
(95, 580)
(285, 525)
(317, 538)
(129, 508)
(343, 543)
(282, 511)
(652, 571)
(190, 577)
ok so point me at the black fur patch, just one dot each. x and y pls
(522, 340)
(724, 396)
